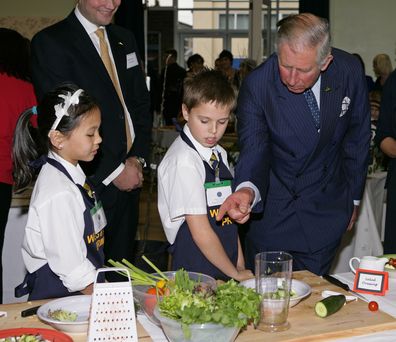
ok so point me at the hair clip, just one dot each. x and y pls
(62, 108)
(34, 110)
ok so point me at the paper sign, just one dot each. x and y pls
(371, 282)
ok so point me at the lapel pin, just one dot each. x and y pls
(327, 89)
(120, 43)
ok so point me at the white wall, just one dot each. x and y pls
(367, 27)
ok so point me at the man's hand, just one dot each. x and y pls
(354, 217)
(237, 205)
(131, 177)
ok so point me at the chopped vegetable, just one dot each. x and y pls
(373, 306)
(62, 315)
(329, 305)
(24, 338)
(280, 294)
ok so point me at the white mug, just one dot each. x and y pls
(368, 263)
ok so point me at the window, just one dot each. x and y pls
(236, 21)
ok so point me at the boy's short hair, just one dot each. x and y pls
(208, 86)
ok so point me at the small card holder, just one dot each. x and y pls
(371, 282)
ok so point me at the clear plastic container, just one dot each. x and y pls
(147, 302)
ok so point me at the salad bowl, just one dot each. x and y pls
(299, 288)
(147, 301)
(206, 332)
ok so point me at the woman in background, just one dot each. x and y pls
(16, 95)
(382, 67)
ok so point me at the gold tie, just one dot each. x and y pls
(213, 160)
(105, 56)
(88, 190)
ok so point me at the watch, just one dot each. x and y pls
(141, 161)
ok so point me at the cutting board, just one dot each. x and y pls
(352, 320)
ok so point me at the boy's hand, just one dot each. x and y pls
(244, 275)
(237, 205)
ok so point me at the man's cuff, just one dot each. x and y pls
(114, 174)
(356, 202)
(250, 185)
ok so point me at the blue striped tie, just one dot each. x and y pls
(313, 106)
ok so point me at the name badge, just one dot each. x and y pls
(98, 217)
(217, 192)
(131, 60)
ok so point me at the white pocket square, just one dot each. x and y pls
(345, 105)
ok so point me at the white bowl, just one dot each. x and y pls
(206, 332)
(79, 304)
(302, 289)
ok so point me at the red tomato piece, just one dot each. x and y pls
(152, 291)
(149, 305)
(373, 306)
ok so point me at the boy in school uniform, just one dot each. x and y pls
(193, 181)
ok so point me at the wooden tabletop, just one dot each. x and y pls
(14, 320)
(352, 320)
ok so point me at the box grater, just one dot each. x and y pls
(112, 315)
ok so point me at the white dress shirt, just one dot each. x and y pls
(54, 232)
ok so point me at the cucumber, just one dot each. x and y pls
(329, 305)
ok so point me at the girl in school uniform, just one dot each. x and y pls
(63, 242)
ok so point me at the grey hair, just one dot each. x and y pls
(305, 30)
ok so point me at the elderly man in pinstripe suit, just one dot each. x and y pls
(304, 132)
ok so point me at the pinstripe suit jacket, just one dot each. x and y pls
(307, 181)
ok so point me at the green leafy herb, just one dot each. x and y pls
(230, 305)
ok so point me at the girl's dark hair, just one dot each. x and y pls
(30, 143)
(14, 54)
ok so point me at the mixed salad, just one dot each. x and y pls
(193, 302)
(62, 315)
(24, 338)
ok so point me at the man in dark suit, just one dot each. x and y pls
(304, 133)
(71, 51)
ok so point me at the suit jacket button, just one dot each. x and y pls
(295, 197)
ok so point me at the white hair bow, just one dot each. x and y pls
(62, 108)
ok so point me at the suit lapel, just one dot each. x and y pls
(119, 54)
(83, 43)
(330, 100)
